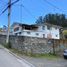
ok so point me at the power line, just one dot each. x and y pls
(3, 8)
(21, 11)
(28, 11)
(9, 12)
(8, 6)
(54, 5)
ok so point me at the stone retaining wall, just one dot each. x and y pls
(34, 45)
(29, 44)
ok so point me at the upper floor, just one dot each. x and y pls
(37, 30)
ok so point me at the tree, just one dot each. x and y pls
(65, 34)
(56, 19)
(0, 29)
(39, 20)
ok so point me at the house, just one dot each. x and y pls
(3, 30)
(45, 30)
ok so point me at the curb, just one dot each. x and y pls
(31, 65)
(22, 59)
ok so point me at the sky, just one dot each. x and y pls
(28, 11)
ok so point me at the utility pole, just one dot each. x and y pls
(9, 12)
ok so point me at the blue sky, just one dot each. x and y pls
(31, 11)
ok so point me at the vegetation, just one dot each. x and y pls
(65, 33)
(56, 19)
(47, 56)
(8, 45)
(0, 29)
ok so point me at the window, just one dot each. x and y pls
(43, 35)
(16, 34)
(16, 29)
(43, 27)
(48, 27)
(19, 32)
(28, 32)
(56, 35)
(55, 27)
(37, 34)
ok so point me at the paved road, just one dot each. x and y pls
(43, 62)
(8, 60)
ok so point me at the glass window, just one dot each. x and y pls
(43, 35)
(19, 32)
(37, 34)
(16, 29)
(55, 27)
(56, 35)
(16, 34)
(43, 27)
(48, 27)
(28, 32)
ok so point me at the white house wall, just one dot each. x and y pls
(52, 31)
(40, 32)
(32, 33)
